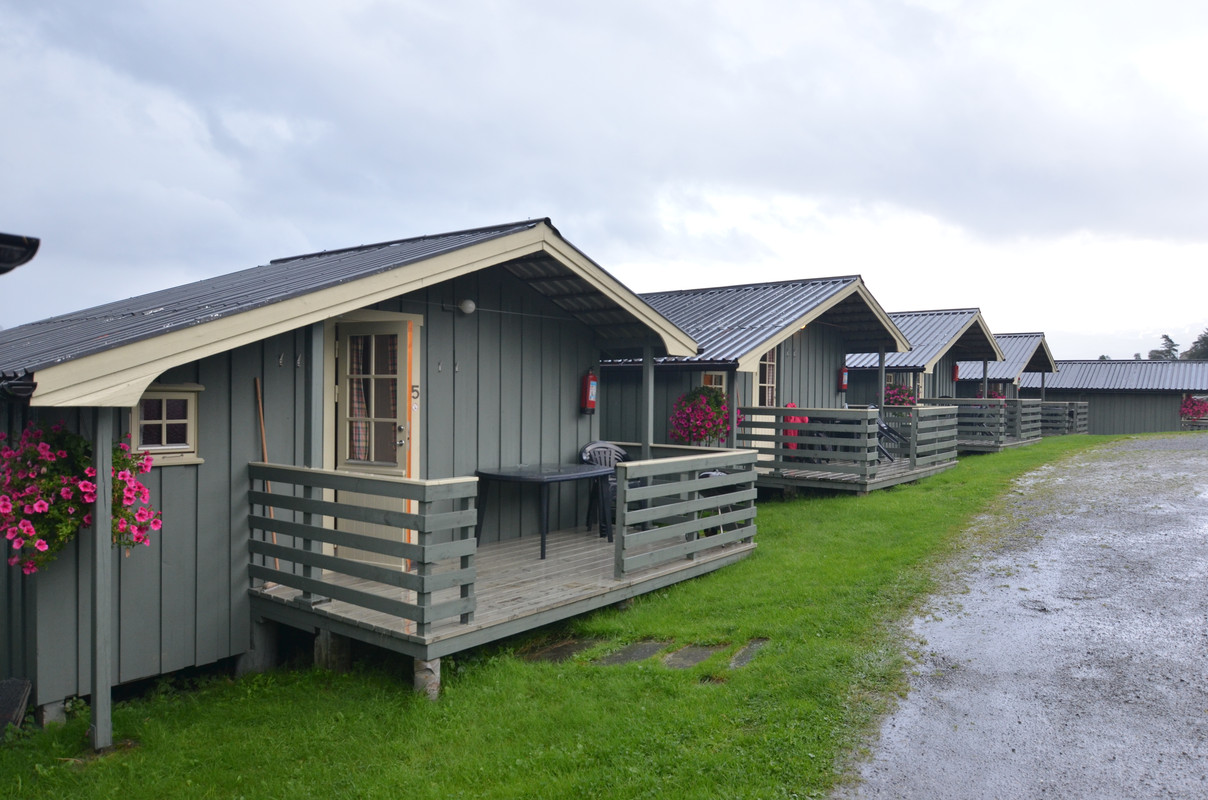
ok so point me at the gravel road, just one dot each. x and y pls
(1068, 660)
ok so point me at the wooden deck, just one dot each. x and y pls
(887, 474)
(990, 446)
(515, 590)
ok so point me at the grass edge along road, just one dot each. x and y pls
(828, 587)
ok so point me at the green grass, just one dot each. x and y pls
(831, 581)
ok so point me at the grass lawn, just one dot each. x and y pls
(828, 586)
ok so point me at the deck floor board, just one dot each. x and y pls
(512, 583)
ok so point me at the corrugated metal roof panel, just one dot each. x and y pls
(1023, 351)
(28, 348)
(1124, 376)
(730, 322)
(932, 335)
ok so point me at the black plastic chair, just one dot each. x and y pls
(604, 454)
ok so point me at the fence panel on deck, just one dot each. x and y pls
(834, 440)
(927, 433)
(1055, 419)
(433, 550)
(980, 421)
(1023, 419)
(670, 509)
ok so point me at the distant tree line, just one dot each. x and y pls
(1169, 351)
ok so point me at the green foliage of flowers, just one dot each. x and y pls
(700, 416)
(47, 489)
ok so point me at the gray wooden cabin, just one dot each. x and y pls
(770, 344)
(1122, 396)
(467, 348)
(938, 341)
(1022, 352)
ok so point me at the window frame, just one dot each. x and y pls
(767, 368)
(169, 455)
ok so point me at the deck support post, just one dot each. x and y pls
(732, 402)
(1042, 387)
(647, 403)
(333, 651)
(426, 677)
(985, 379)
(881, 377)
(100, 730)
(312, 433)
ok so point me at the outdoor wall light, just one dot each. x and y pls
(467, 306)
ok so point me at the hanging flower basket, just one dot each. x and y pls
(47, 488)
(701, 416)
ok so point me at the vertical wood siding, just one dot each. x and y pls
(501, 387)
(182, 601)
(1123, 412)
(809, 364)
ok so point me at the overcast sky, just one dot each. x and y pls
(1045, 161)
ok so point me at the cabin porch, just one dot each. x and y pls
(847, 449)
(991, 425)
(1060, 419)
(423, 586)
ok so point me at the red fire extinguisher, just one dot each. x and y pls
(956, 372)
(843, 379)
(588, 393)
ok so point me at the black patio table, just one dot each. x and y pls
(543, 475)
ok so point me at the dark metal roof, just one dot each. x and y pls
(28, 348)
(16, 250)
(932, 335)
(1025, 352)
(1124, 376)
(730, 322)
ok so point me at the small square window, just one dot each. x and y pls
(164, 424)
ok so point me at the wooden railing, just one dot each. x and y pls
(300, 520)
(1059, 419)
(668, 509)
(838, 440)
(1023, 419)
(927, 434)
(979, 421)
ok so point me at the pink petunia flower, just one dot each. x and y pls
(41, 506)
(90, 472)
(6, 504)
(12, 562)
(41, 545)
(87, 486)
(156, 524)
(142, 514)
(65, 493)
(29, 568)
(145, 495)
(18, 543)
(88, 520)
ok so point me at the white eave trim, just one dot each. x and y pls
(118, 377)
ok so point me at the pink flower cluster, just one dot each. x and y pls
(46, 490)
(700, 416)
(1193, 408)
(898, 396)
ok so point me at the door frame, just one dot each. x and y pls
(331, 396)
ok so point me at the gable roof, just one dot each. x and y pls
(1023, 352)
(933, 335)
(739, 324)
(106, 356)
(1124, 375)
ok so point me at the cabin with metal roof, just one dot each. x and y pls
(938, 341)
(778, 350)
(318, 424)
(1022, 352)
(1123, 396)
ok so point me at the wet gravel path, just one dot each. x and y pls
(1071, 660)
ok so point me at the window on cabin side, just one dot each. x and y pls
(767, 379)
(164, 424)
